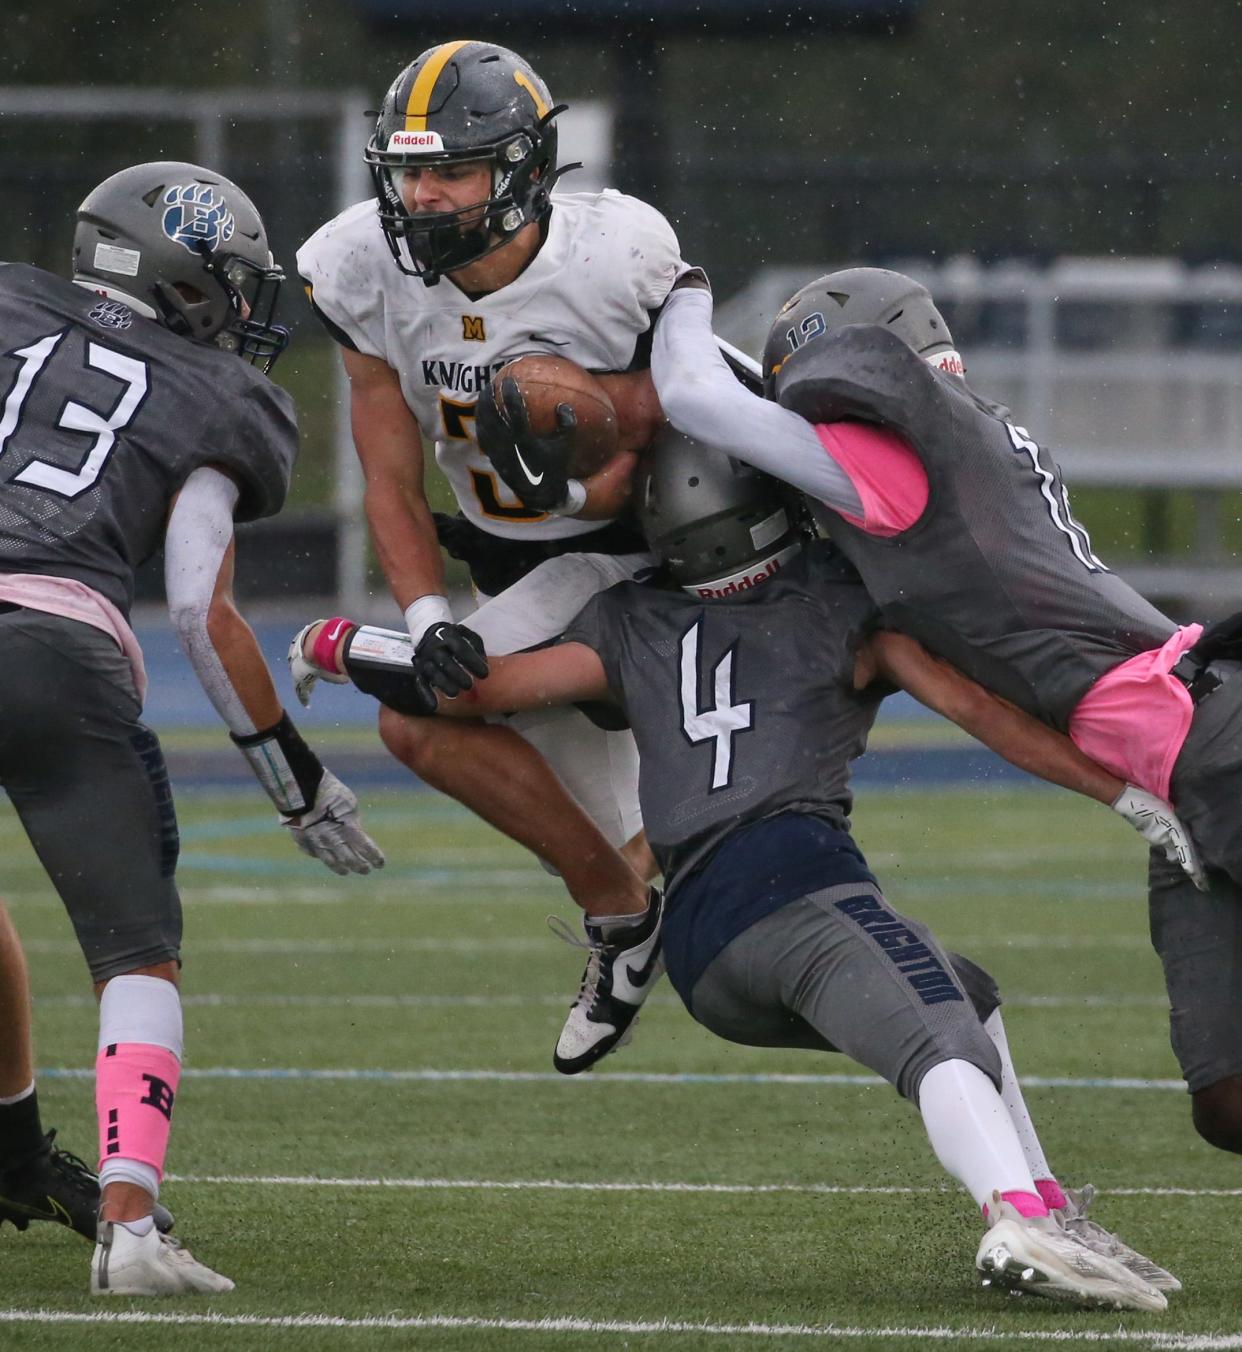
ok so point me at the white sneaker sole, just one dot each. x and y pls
(1013, 1258)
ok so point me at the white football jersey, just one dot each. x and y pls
(607, 263)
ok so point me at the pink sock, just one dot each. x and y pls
(1025, 1203)
(135, 1085)
(1050, 1190)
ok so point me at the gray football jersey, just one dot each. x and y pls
(103, 416)
(997, 577)
(742, 706)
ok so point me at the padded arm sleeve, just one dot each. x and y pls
(199, 530)
(702, 398)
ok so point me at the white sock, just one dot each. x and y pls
(1015, 1104)
(142, 1226)
(17, 1098)
(971, 1133)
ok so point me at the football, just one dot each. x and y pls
(545, 382)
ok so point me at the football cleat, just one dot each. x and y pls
(53, 1185)
(1073, 1220)
(126, 1264)
(1033, 1253)
(624, 965)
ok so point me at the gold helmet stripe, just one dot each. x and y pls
(419, 102)
(540, 107)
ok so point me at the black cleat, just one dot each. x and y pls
(53, 1185)
(623, 968)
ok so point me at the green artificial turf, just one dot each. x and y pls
(355, 1198)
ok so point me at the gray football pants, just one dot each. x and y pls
(1199, 936)
(817, 976)
(89, 783)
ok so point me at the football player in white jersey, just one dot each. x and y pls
(464, 260)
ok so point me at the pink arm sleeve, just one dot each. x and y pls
(887, 475)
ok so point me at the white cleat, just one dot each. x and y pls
(622, 970)
(126, 1264)
(1073, 1219)
(1033, 1253)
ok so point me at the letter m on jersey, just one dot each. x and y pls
(723, 717)
(472, 329)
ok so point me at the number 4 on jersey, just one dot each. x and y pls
(718, 723)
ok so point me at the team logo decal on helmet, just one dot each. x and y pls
(189, 249)
(195, 217)
(111, 314)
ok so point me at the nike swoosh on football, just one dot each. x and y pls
(526, 469)
(543, 338)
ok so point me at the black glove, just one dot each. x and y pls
(535, 468)
(448, 657)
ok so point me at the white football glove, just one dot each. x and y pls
(1160, 826)
(305, 673)
(329, 830)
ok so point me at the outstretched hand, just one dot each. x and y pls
(330, 830)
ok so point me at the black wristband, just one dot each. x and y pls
(288, 769)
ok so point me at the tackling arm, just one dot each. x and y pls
(1022, 740)
(380, 663)
(704, 399)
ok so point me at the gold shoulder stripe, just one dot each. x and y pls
(420, 92)
(540, 107)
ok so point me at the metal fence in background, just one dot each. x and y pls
(1127, 367)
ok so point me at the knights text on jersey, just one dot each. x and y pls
(607, 263)
(742, 707)
(103, 417)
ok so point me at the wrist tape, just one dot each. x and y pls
(287, 768)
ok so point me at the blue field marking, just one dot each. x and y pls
(596, 1078)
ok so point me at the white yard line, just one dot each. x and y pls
(208, 1000)
(405, 944)
(1189, 1342)
(597, 1078)
(569, 1185)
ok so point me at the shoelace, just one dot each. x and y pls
(73, 1165)
(590, 977)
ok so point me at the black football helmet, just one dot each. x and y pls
(861, 296)
(189, 244)
(458, 102)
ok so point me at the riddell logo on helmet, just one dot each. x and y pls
(949, 361)
(415, 140)
(740, 582)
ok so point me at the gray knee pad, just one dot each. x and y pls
(980, 986)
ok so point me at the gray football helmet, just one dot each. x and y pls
(861, 296)
(457, 102)
(191, 245)
(718, 525)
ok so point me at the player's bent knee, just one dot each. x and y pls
(1217, 1114)
(410, 740)
(980, 986)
